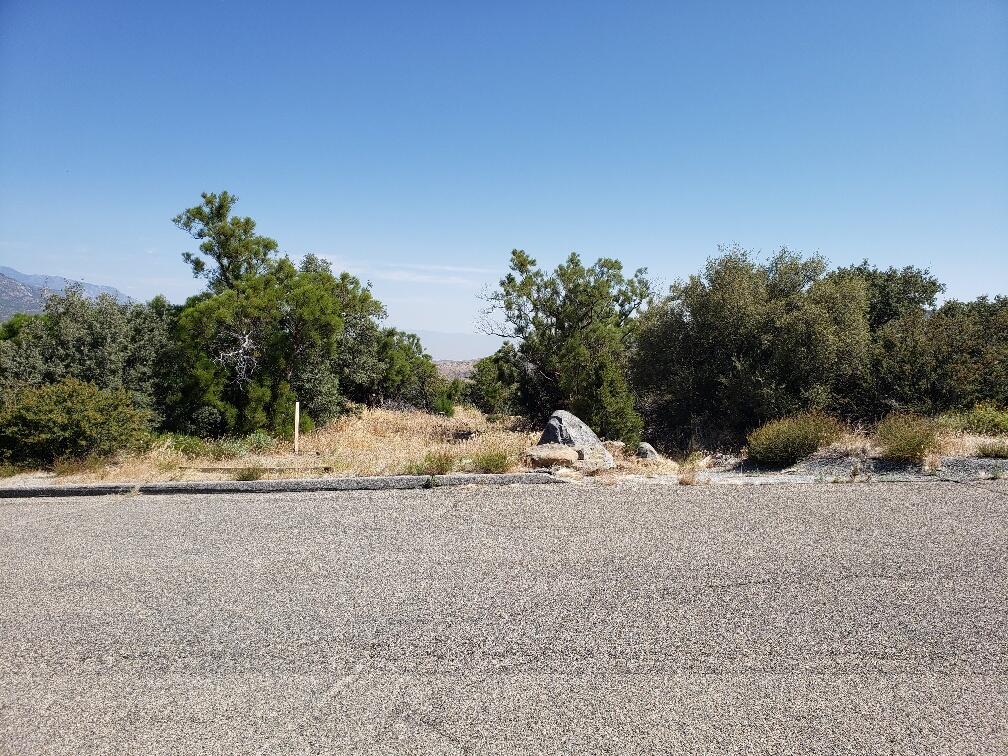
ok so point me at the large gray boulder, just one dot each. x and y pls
(569, 430)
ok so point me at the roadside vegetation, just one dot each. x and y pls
(777, 354)
(783, 442)
(907, 437)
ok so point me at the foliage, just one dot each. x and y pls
(783, 442)
(101, 341)
(907, 437)
(69, 419)
(493, 385)
(574, 328)
(745, 342)
(231, 243)
(984, 419)
(443, 405)
(268, 332)
(895, 292)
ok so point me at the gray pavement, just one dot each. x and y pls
(630, 618)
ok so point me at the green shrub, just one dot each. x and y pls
(493, 385)
(259, 442)
(906, 437)
(434, 463)
(443, 405)
(492, 461)
(783, 442)
(69, 419)
(993, 450)
(985, 419)
(7, 470)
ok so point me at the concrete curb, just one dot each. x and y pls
(377, 483)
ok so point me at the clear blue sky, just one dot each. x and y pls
(418, 143)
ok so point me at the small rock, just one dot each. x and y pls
(646, 451)
(551, 455)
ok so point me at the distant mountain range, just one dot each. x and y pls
(26, 293)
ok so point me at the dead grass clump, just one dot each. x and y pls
(687, 475)
(993, 450)
(389, 442)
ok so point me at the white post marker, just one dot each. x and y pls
(297, 424)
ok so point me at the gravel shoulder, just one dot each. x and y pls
(624, 617)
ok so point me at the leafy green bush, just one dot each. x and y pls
(985, 419)
(906, 437)
(70, 419)
(443, 405)
(783, 442)
(492, 461)
(493, 385)
(573, 328)
(993, 450)
(744, 342)
(434, 463)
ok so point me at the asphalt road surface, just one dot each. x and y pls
(867, 618)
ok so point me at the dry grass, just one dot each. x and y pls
(388, 442)
(374, 442)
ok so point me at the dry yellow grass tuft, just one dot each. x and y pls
(389, 442)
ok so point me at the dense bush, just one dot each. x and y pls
(907, 437)
(573, 328)
(783, 442)
(493, 385)
(106, 343)
(746, 342)
(69, 419)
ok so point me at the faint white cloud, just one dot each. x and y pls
(436, 275)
